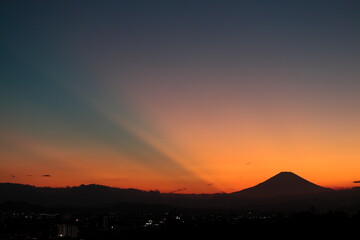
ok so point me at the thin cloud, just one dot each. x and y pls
(178, 190)
(46, 175)
(356, 182)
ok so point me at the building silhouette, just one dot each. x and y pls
(105, 222)
(65, 230)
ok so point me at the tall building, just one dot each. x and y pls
(65, 230)
(105, 222)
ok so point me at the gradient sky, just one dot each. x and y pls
(188, 96)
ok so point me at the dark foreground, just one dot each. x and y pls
(25, 221)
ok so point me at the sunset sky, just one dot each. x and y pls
(180, 96)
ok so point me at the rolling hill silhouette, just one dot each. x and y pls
(284, 191)
(284, 183)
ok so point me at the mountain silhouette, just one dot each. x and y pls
(83, 195)
(282, 192)
(283, 183)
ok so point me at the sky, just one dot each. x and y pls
(179, 96)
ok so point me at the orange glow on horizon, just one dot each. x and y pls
(100, 165)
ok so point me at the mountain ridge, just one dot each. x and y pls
(283, 189)
(283, 183)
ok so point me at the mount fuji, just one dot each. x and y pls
(283, 183)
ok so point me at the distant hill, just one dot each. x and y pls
(96, 195)
(282, 192)
(284, 183)
(83, 195)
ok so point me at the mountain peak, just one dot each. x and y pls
(287, 175)
(285, 172)
(283, 183)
